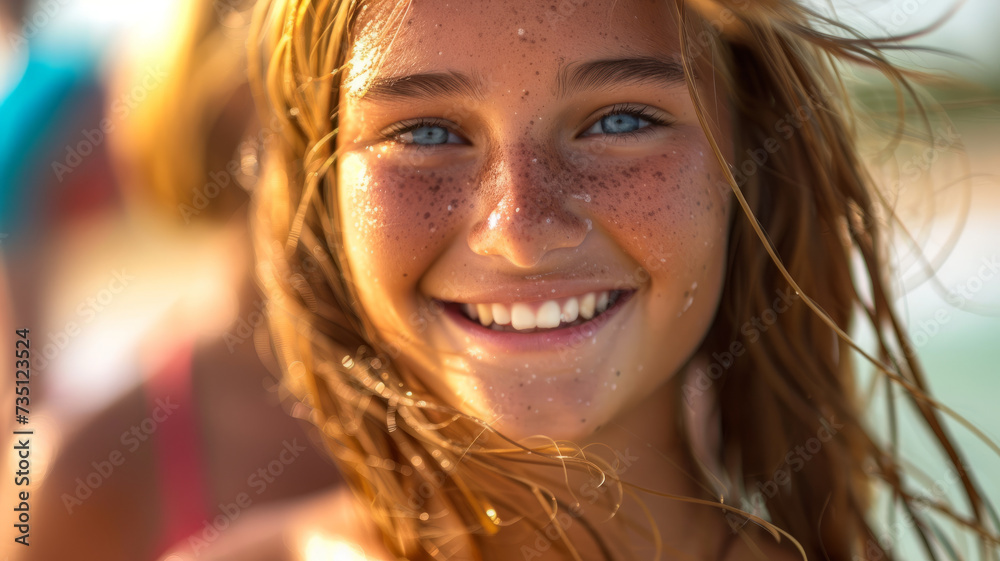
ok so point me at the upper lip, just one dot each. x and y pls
(525, 291)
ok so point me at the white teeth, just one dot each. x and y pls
(485, 314)
(550, 314)
(570, 310)
(521, 316)
(501, 314)
(587, 304)
(602, 301)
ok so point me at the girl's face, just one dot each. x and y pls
(531, 212)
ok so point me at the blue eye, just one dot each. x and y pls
(422, 133)
(426, 135)
(627, 120)
(618, 123)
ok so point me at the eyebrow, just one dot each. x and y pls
(590, 75)
(426, 86)
(607, 73)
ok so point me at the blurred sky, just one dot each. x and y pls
(970, 32)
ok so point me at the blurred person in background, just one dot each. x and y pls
(125, 219)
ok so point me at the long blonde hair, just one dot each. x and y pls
(809, 206)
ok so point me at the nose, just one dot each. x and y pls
(526, 208)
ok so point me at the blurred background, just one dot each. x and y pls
(150, 398)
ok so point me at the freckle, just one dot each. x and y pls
(583, 420)
(529, 408)
(427, 215)
(405, 275)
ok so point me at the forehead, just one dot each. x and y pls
(502, 38)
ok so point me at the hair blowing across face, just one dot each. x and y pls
(789, 298)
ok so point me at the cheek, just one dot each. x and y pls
(395, 220)
(668, 211)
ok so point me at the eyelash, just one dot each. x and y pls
(641, 111)
(394, 131)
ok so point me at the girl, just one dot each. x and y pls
(572, 280)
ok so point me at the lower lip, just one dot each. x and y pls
(513, 342)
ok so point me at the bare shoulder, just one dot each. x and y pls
(758, 545)
(330, 525)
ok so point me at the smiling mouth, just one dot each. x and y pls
(547, 315)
